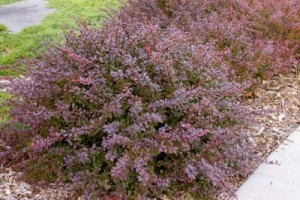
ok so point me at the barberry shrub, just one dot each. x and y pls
(258, 38)
(147, 105)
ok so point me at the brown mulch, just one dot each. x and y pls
(279, 100)
(11, 188)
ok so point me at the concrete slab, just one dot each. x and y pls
(280, 181)
(19, 15)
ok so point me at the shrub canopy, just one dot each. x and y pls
(148, 105)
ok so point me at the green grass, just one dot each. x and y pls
(4, 108)
(28, 43)
(2, 2)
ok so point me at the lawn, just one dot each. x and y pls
(7, 1)
(3, 108)
(28, 43)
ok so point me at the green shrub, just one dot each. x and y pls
(3, 28)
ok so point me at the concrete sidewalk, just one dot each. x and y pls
(280, 181)
(19, 15)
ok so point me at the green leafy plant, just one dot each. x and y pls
(3, 28)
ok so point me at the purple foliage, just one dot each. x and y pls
(153, 94)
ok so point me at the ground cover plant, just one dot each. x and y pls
(150, 104)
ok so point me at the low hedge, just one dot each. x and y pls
(149, 105)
